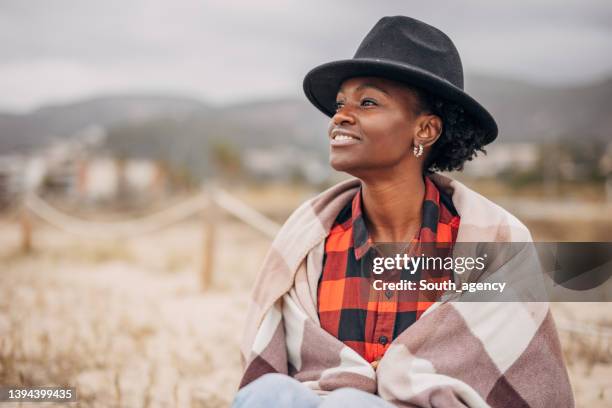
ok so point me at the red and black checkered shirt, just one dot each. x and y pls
(365, 319)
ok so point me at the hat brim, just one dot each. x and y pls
(322, 83)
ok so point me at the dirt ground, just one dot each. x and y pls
(127, 323)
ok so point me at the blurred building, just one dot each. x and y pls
(70, 170)
(11, 178)
(503, 157)
(286, 163)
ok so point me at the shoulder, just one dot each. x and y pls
(481, 219)
(312, 220)
(325, 206)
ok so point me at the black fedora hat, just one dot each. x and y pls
(406, 50)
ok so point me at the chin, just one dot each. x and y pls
(343, 160)
(340, 164)
(352, 167)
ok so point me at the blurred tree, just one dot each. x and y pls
(226, 158)
(583, 157)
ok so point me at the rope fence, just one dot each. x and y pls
(113, 229)
(154, 222)
(245, 213)
(204, 204)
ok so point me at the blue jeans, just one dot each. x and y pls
(279, 390)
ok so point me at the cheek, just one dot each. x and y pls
(391, 136)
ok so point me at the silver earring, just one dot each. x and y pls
(418, 150)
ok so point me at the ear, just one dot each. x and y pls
(429, 130)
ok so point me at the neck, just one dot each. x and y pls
(393, 206)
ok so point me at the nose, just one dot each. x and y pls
(343, 116)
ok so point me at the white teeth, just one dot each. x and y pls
(343, 137)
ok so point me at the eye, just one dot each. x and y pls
(338, 105)
(368, 102)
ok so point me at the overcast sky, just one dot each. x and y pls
(225, 51)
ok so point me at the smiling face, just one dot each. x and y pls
(374, 127)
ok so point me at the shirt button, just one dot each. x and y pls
(383, 340)
(388, 294)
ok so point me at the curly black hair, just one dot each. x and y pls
(461, 137)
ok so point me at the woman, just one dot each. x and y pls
(319, 333)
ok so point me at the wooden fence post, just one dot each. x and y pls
(25, 221)
(208, 247)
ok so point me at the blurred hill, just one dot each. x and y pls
(19, 132)
(531, 113)
(185, 131)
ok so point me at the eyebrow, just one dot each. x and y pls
(368, 85)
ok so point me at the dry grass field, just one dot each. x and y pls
(125, 321)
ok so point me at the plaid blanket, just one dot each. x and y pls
(459, 354)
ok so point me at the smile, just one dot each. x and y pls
(340, 138)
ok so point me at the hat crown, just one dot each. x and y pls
(405, 40)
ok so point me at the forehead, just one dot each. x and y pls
(386, 85)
